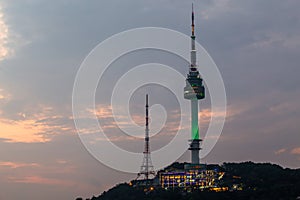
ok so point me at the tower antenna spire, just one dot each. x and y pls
(193, 19)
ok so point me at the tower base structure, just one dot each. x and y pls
(147, 168)
(195, 148)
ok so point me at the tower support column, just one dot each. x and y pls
(195, 148)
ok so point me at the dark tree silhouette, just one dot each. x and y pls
(261, 181)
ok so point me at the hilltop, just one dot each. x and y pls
(245, 181)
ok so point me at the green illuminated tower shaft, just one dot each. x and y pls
(195, 127)
(194, 91)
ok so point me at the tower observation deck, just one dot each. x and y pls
(194, 91)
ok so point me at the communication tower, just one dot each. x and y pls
(147, 168)
(194, 91)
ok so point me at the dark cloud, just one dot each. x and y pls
(254, 43)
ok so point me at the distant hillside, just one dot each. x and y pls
(246, 180)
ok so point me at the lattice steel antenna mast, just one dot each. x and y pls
(147, 168)
(194, 91)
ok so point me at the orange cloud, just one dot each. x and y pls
(26, 131)
(34, 124)
(296, 151)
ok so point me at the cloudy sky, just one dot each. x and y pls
(256, 45)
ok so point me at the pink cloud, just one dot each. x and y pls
(4, 37)
(41, 180)
(4, 96)
(296, 151)
(102, 111)
(15, 165)
(280, 151)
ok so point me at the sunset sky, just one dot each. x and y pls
(255, 44)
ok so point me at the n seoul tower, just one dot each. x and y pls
(194, 91)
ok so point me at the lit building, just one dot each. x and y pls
(190, 179)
